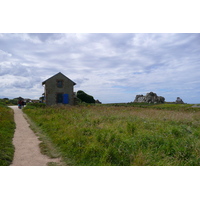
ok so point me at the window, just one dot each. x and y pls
(59, 83)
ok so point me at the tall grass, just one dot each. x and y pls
(123, 136)
(7, 127)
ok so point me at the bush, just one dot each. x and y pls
(85, 97)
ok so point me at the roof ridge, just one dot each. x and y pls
(56, 75)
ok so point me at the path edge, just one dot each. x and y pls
(46, 146)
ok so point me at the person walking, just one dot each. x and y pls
(19, 104)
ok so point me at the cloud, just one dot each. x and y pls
(4, 55)
(111, 67)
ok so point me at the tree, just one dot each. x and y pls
(85, 97)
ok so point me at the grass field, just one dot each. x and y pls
(7, 127)
(122, 135)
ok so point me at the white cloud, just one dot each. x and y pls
(111, 67)
(4, 55)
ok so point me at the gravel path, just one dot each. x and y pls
(27, 151)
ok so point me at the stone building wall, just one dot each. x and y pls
(52, 90)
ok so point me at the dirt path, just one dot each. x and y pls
(27, 151)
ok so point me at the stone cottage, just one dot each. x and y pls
(58, 89)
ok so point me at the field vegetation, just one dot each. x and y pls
(7, 101)
(7, 126)
(122, 134)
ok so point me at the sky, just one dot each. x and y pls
(112, 67)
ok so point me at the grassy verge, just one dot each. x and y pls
(46, 145)
(120, 135)
(7, 127)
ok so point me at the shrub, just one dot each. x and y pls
(85, 97)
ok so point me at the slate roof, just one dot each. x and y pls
(56, 75)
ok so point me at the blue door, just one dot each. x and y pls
(65, 98)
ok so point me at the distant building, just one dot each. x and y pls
(58, 89)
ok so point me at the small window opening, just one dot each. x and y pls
(59, 83)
